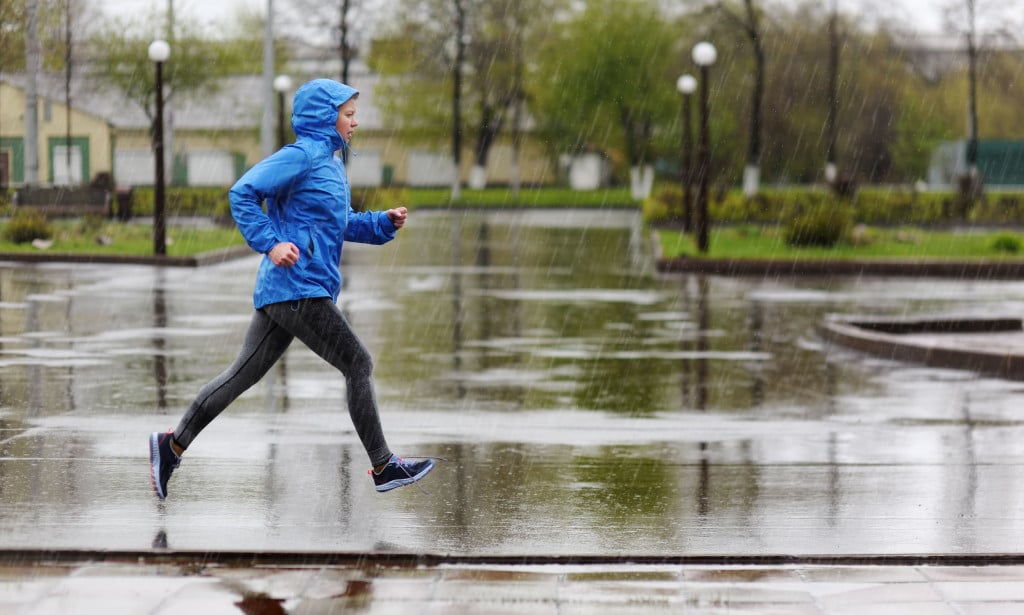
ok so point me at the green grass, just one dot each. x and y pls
(753, 242)
(84, 237)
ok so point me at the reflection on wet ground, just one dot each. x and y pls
(586, 404)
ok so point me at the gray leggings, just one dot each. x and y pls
(320, 325)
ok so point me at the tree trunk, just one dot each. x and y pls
(752, 173)
(33, 66)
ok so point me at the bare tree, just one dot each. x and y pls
(306, 20)
(423, 51)
(972, 183)
(963, 16)
(834, 43)
(461, 38)
(750, 24)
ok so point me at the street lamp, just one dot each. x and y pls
(687, 85)
(282, 83)
(159, 51)
(704, 55)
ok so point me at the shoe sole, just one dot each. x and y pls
(154, 464)
(401, 482)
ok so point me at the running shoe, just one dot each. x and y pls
(162, 461)
(399, 472)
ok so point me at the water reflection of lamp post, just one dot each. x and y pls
(704, 55)
(282, 83)
(687, 85)
(159, 51)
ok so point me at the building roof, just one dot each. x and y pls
(235, 104)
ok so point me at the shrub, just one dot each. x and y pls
(662, 203)
(820, 225)
(1006, 243)
(27, 226)
(181, 201)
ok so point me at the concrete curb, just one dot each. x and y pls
(889, 339)
(320, 558)
(980, 270)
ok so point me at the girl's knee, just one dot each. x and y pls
(361, 364)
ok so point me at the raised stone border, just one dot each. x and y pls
(895, 339)
(968, 270)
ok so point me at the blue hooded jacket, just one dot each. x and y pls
(308, 202)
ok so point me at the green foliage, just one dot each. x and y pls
(539, 198)
(664, 203)
(27, 226)
(874, 206)
(120, 58)
(999, 208)
(183, 201)
(1006, 242)
(892, 112)
(50, 18)
(415, 55)
(379, 199)
(616, 87)
(740, 242)
(821, 224)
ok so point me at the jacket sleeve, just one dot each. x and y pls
(369, 227)
(271, 180)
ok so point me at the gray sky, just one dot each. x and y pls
(919, 15)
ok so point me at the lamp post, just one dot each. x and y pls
(687, 85)
(704, 55)
(159, 51)
(282, 83)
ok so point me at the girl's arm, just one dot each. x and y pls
(267, 180)
(374, 227)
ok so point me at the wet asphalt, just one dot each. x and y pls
(602, 424)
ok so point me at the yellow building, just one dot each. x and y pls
(65, 157)
(211, 139)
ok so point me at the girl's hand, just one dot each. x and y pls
(398, 216)
(284, 254)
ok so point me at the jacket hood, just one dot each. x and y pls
(315, 109)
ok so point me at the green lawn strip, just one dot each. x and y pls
(756, 243)
(76, 237)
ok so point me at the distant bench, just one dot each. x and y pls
(73, 202)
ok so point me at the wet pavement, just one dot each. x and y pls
(587, 406)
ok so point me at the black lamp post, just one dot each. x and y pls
(159, 51)
(282, 83)
(704, 55)
(687, 85)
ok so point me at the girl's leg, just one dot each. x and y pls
(264, 344)
(319, 324)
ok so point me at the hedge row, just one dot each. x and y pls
(872, 206)
(214, 202)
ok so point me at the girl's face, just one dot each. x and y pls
(346, 124)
